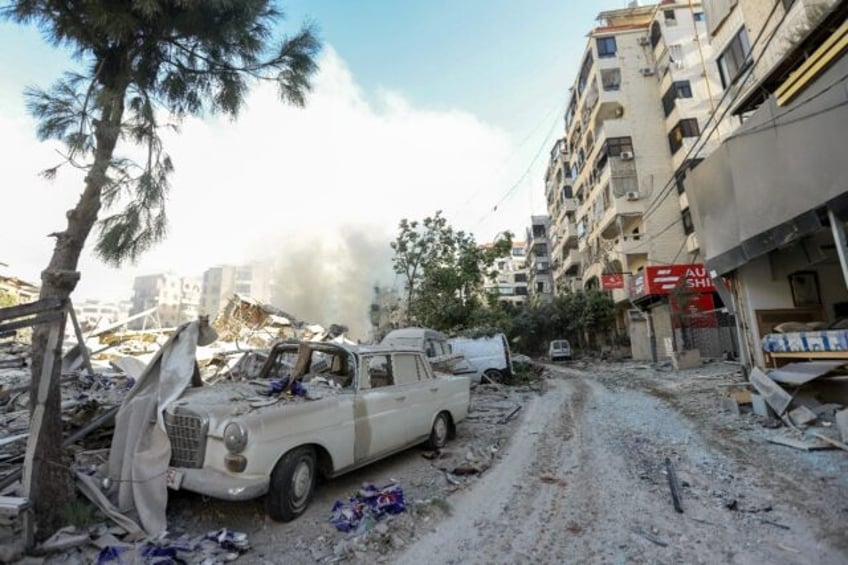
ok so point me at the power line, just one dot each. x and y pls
(523, 175)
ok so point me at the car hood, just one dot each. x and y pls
(223, 402)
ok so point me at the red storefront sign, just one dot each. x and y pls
(694, 311)
(664, 279)
(612, 282)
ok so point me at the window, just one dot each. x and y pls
(378, 372)
(616, 145)
(679, 177)
(678, 89)
(540, 287)
(584, 73)
(521, 291)
(406, 369)
(688, 226)
(787, 4)
(517, 252)
(540, 250)
(735, 58)
(699, 16)
(606, 46)
(684, 128)
(656, 34)
(675, 55)
(669, 17)
(611, 79)
(520, 277)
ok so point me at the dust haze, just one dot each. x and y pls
(329, 278)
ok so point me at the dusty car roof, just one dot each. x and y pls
(415, 333)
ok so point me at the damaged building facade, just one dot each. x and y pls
(646, 86)
(773, 237)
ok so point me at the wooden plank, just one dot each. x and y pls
(41, 399)
(82, 348)
(831, 441)
(31, 308)
(44, 318)
(773, 394)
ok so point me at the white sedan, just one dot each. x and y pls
(351, 406)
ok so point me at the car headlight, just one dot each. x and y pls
(235, 437)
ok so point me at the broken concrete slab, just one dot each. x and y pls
(758, 403)
(773, 394)
(842, 424)
(804, 372)
(688, 359)
(802, 416)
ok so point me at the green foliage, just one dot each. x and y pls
(147, 63)
(444, 271)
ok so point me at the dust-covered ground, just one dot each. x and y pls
(576, 475)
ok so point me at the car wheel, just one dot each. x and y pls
(440, 432)
(494, 375)
(292, 484)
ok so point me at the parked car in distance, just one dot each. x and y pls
(559, 350)
(361, 404)
(489, 355)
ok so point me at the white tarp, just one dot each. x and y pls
(140, 452)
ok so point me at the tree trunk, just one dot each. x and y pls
(51, 484)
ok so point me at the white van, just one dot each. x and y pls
(489, 356)
(433, 343)
(559, 349)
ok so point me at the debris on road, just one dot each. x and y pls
(650, 537)
(673, 485)
(366, 507)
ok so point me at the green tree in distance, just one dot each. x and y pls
(444, 271)
(145, 64)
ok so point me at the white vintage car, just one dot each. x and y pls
(230, 441)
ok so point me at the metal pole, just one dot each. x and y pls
(838, 229)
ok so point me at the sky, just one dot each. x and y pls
(418, 106)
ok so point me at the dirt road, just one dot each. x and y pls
(583, 481)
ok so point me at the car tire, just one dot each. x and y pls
(440, 432)
(494, 375)
(292, 484)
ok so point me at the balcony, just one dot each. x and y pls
(633, 246)
(572, 262)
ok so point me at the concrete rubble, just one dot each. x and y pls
(91, 397)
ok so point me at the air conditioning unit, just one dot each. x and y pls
(632, 195)
(626, 155)
(644, 41)
(647, 71)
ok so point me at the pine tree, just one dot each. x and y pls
(146, 64)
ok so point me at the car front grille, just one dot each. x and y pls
(187, 432)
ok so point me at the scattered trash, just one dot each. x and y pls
(550, 478)
(368, 505)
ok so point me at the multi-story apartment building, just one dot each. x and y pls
(538, 253)
(175, 298)
(99, 312)
(222, 281)
(643, 90)
(770, 203)
(510, 280)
